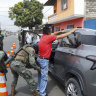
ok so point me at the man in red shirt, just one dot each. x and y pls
(44, 54)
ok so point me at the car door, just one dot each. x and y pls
(63, 56)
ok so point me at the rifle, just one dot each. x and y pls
(12, 57)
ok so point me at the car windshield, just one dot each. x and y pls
(70, 41)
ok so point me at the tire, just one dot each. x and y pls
(72, 88)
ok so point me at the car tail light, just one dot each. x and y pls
(93, 59)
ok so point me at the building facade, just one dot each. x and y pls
(71, 13)
(90, 15)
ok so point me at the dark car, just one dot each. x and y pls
(73, 63)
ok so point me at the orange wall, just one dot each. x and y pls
(65, 13)
(58, 6)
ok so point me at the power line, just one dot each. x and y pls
(9, 25)
(48, 10)
(4, 15)
(3, 11)
(4, 7)
(7, 11)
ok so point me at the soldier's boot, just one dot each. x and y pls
(13, 92)
(35, 93)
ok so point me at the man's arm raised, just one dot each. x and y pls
(55, 33)
(66, 34)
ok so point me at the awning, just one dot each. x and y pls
(50, 2)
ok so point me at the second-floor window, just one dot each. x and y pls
(64, 4)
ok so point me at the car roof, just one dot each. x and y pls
(84, 31)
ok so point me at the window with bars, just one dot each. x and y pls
(64, 4)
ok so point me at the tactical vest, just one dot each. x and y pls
(23, 55)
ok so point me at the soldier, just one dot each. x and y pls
(3, 55)
(20, 38)
(24, 59)
(1, 41)
(2, 59)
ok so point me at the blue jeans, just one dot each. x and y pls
(42, 76)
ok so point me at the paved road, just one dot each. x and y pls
(8, 42)
(53, 88)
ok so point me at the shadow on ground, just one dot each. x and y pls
(54, 83)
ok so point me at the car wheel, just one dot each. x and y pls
(72, 88)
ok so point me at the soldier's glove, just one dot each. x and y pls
(38, 69)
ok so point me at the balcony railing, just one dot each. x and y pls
(52, 16)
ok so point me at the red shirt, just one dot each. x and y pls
(45, 45)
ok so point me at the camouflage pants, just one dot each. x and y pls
(18, 68)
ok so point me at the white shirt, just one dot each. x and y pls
(29, 38)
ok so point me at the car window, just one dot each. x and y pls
(65, 42)
(70, 41)
(55, 42)
(71, 36)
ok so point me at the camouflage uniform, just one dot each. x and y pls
(24, 59)
(2, 65)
